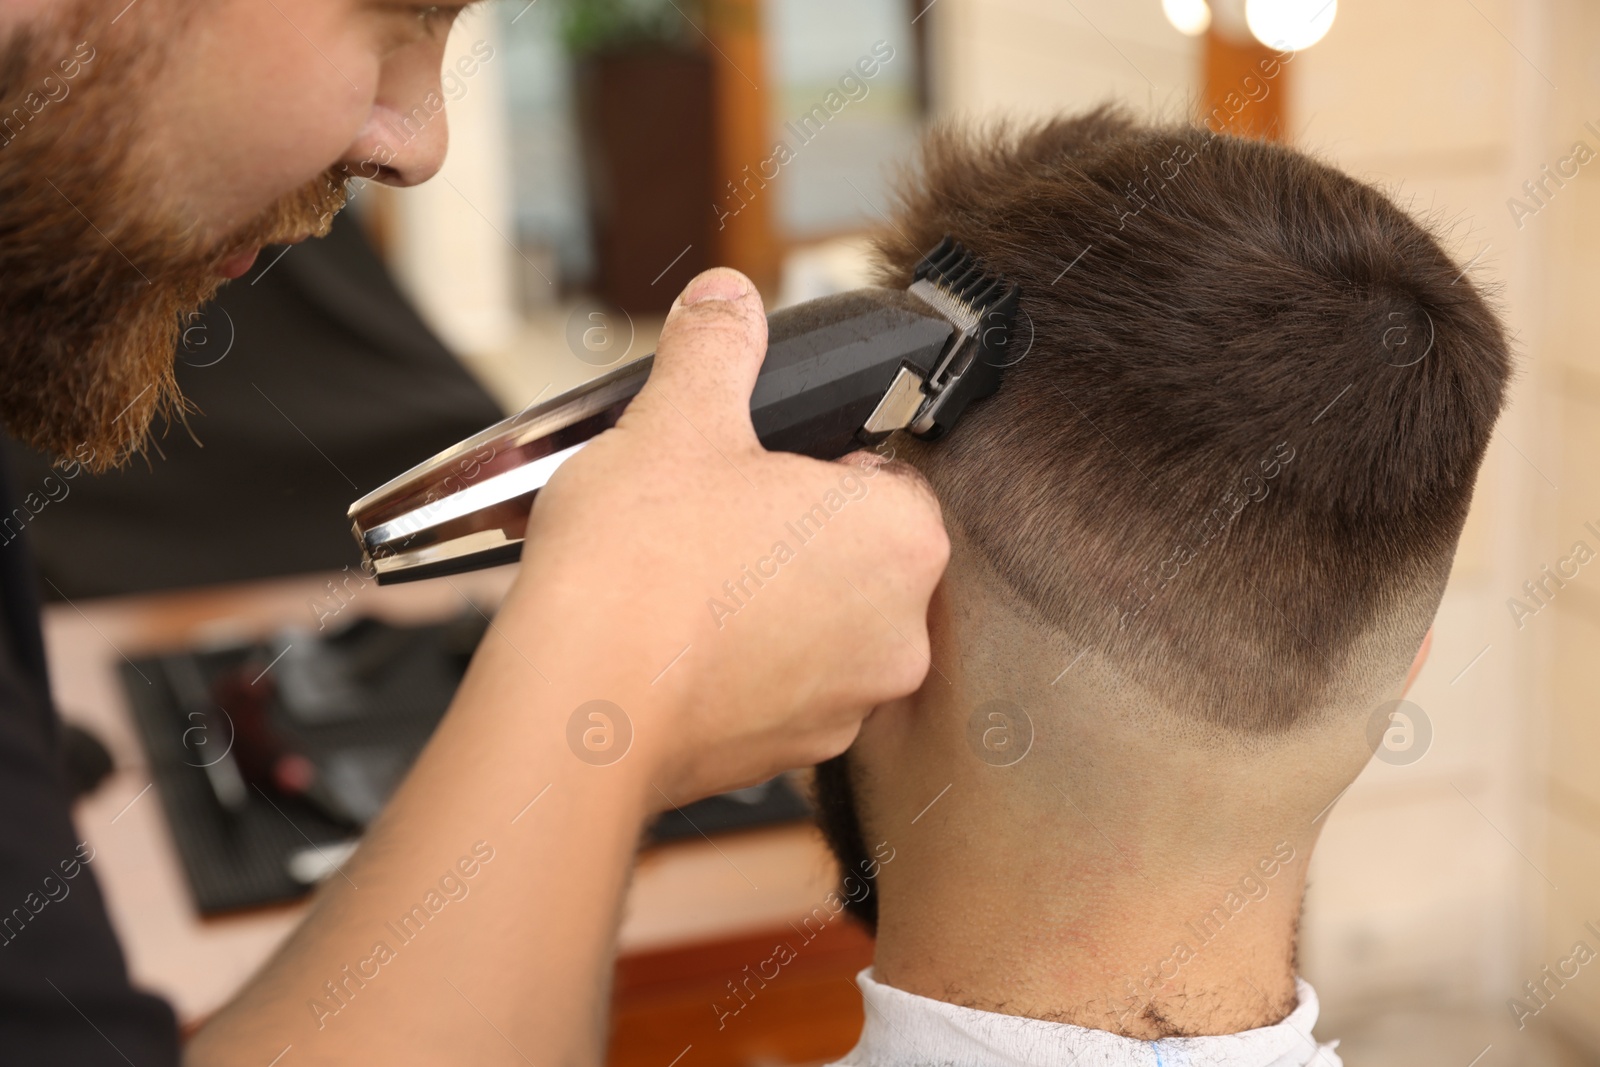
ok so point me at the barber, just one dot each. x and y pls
(624, 547)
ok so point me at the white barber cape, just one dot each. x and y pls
(906, 1030)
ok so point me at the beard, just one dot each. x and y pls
(100, 269)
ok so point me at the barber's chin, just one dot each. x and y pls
(238, 264)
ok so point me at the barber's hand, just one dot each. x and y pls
(667, 570)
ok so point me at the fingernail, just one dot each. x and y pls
(715, 285)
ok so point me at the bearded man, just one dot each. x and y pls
(148, 150)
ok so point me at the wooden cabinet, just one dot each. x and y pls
(783, 996)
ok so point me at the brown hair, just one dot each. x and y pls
(1239, 442)
(1252, 398)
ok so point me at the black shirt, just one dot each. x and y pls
(65, 997)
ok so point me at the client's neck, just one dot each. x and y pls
(1094, 929)
(1123, 875)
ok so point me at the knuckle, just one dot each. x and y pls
(835, 741)
(938, 553)
(910, 668)
(910, 476)
(924, 546)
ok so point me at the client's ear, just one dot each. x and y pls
(1416, 664)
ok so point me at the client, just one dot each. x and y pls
(1198, 540)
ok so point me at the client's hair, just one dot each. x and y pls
(1238, 452)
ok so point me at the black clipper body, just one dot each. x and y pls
(840, 373)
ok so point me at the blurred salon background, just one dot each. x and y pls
(603, 152)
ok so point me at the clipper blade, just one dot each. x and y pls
(983, 306)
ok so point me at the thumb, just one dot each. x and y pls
(708, 357)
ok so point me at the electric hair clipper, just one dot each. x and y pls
(841, 373)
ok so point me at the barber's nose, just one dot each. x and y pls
(401, 147)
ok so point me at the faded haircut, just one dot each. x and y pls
(1238, 452)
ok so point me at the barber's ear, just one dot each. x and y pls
(1416, 664)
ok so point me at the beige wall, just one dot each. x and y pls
(1568, 792)
(452, 238)
(1434, 882)
(1022, 57)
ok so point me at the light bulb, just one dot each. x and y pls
(1190, 17)
(1289, 25)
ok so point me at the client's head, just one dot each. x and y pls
(1199, 537)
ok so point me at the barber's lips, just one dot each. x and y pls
(236, 265)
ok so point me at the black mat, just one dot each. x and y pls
(357, 705)
(238, 859)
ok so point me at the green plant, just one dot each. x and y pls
(589, 26)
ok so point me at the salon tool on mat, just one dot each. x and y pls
(841, 373)
(264, 749)
(272, 756)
